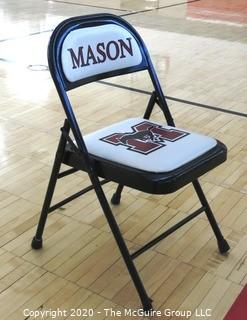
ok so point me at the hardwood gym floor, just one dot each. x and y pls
(199, 49)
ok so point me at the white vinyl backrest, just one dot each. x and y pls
(90, 51)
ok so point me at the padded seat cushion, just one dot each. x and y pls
(147, 145)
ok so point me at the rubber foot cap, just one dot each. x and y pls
(115, 199)
(223, 246)
(36, 243)
(148, 306)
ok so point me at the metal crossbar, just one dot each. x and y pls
(74, 196)
(165, 234)
(66, 173)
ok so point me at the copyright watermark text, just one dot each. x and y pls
(113, 313)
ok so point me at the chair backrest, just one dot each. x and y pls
(93, 47)
(89, 48)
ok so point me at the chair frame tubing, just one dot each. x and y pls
(37, 241)
(97, 186)
(157, 97)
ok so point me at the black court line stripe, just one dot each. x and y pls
(206, 106)
(125, 14)
(197, 104)
(120, 86)
(26, 35)
(87, 5)
(177, 4)
(136, 12)
(6, 60)
(153, 9)
(192, 103)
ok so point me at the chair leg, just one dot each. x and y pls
(117, 195)
(146, 301)
(222, 243)
(37, 240)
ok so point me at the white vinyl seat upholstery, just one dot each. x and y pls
(147, 146)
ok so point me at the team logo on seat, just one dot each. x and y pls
(146, 137)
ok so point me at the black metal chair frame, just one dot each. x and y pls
(75, 154)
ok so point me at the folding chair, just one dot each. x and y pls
(138, 153)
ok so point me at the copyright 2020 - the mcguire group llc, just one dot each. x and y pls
(113, 313)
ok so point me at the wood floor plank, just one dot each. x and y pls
(214, 295)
